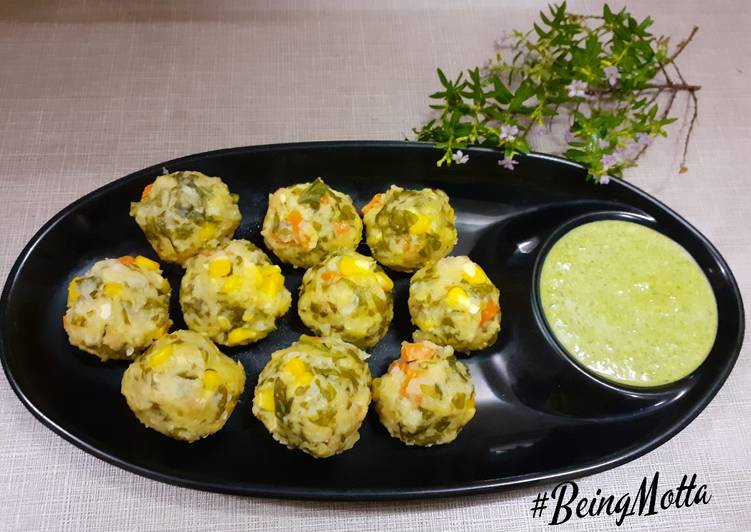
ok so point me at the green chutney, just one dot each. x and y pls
(628, 303)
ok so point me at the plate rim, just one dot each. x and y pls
(321, 493)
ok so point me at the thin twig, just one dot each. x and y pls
(683, 168)
(666, 111)
(679, 74)
(591, 17)
(682, 45)
(665, 73)
(667, 87)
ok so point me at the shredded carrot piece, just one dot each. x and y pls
(416, 351)
(412, 353)
(325, 199)
(147, 190)
(372, 203)
(329, 276)
(341, 228)
(489, 311)
(127, 260)
(295, 219)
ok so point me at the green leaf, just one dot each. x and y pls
(313, 193)
(523, 93)
(501, 94)
(444, 81)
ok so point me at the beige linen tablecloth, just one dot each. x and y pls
(93, 90)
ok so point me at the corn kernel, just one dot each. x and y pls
(421, 225)
(385, 282)
(295, 366)
(112, 289)
(299, 371)
(220, 267)
(160, 357)
(73, 291)
(271, 281)
(269, 287)
(304, 379)
(458, 299)
(232, 284)
(240, 335)
(352, 266)
(146, 263)
(207, 231)
(473, 274)
(211, 380)
(265, 398)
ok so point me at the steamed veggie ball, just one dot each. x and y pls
(452, 302)
(406, 229)
(426, 397)
(118, 307)
(306, 222)
(347, 295)
(183, 386)
(184, 212)
(314, 395)
(233, 294)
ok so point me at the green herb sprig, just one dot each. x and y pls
(606, 78)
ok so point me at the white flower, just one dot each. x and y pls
(577, 88)
(508, 132)
(612, 74)
(508, 163)
(460, 157)
(608, 161)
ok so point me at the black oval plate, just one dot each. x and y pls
(539, 417)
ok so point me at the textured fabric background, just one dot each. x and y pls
(92, 90)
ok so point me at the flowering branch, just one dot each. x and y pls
(604, 77)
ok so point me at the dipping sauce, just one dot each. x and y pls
(628, 303)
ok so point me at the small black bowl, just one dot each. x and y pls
(660, 392)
